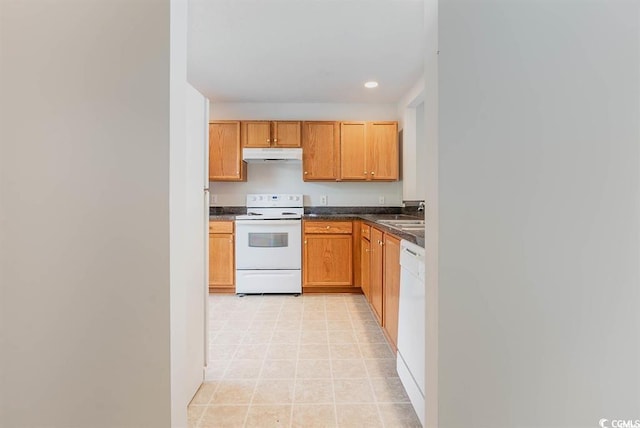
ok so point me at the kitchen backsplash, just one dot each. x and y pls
(287, 178)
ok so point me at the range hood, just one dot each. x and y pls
(271, 154)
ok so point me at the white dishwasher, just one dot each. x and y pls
(411, 329)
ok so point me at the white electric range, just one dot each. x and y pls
(268, 245)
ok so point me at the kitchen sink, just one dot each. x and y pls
(402, 222)
(408, 225)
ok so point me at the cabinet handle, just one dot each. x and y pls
(328, 227)
(275, 140)
(305, 241)
(366, 250)
(268, 140)
(365, 173)
(305, 173)
(372, 173)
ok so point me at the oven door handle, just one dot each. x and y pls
(268, 222)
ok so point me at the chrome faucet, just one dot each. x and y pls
(421, 206)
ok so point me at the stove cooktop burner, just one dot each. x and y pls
(273, 207)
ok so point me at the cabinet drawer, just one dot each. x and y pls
(365, 231)
(327, 227)
(220, 227)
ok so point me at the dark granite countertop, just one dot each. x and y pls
(371, 215)
(221, 217)
(415, 236)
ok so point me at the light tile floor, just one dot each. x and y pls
(307, 361)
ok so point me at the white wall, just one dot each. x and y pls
(303, 111)
(287, 178)
(430, 166)
(412, 143)
(196, 233)
(84, 222)
(420, 153)
(187, 223)
(539, 213)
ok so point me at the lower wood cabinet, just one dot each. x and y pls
(327, 256)
(365, 264)
(380, 277)
(221, 257)
(376, 261)
(391, 287)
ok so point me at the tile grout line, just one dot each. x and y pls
(333, 386)
(248, 405)
(360, 328)
(295, 373)
(366, 368)
(264, 358)
(212, 340)
(232, 358)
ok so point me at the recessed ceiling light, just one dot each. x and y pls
(371, 84)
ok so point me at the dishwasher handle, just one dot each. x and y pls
(411, 256)
(411, 252)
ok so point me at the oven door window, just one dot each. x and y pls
(269, 240)
(268, 245)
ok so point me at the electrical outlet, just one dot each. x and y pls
(323, 200)
(381, 200)
(214, 198)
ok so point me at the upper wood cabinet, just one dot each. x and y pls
(320, 151)
(264, 133)
(286, 134)
(353, 151)
(331, 151)
(383, 155)
(256, 134)
(369, 151)
(225, 152)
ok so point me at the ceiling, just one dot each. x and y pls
(305, 50)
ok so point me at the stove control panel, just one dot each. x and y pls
(274, 200)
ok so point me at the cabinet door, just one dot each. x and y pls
(391, 286)
(286, 134)
(221, 261)
(320, 150)
(383, 157)
(256, 133)
(327, 260)
(376, 272)
(225, 155)
(352, 151)
(365, 266)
